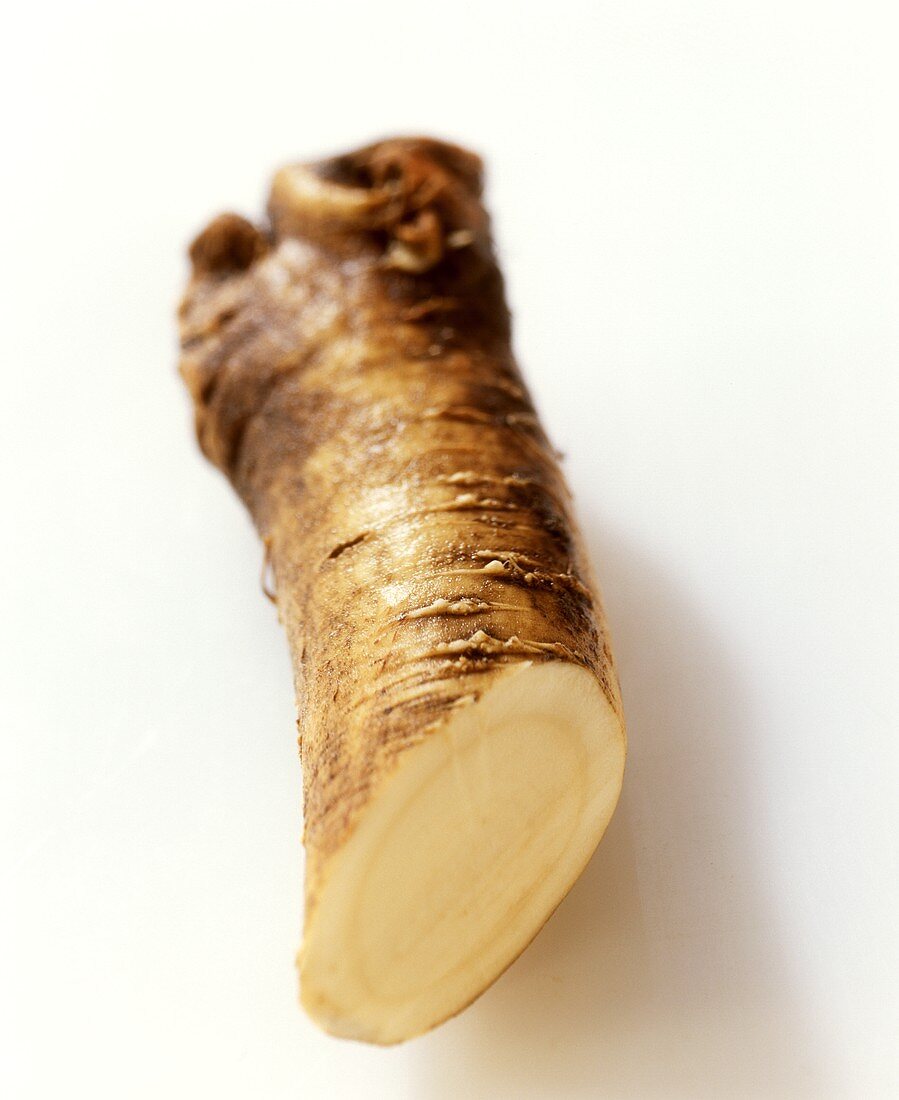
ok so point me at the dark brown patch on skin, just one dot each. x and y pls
(228, 245)
(342, 546)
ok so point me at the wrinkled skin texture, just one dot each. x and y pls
(351, 372)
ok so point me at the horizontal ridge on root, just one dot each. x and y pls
(463, 605)
(506, 571)
(483, 643)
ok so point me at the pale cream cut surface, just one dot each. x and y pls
(463, 853)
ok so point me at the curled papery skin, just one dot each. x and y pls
(351, 373)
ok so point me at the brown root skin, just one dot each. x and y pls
(227, 246)
(422, 195)
(351, 373)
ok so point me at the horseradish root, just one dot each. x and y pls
(461, 730)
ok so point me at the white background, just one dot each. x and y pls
(696, 206)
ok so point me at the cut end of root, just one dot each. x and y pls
(464, 854)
